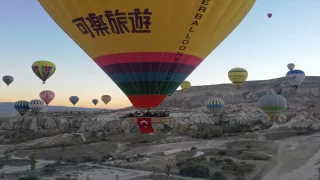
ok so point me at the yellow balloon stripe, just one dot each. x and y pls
(193, 27)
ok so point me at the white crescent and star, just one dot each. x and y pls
(144, 122)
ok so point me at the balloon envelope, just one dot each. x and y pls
(238, 76)
(22, 107)
(95, 101)
(272, 104)
(153, 47)
(74, 99)
(295, 77)
(36, 105)
(215, 105)
(291, 66)
(106, 99)
(185, 86)
(47, 96)
(269, 15)
(43, 69)
(7, 79)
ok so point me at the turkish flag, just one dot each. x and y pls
(145, 125)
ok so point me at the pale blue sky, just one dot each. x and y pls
(261, 45)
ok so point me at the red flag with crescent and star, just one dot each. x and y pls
(145, 125)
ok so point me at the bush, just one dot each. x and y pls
(93, 134)
(228, 160)
(63, 178)
(216, 161)
(249, 147)
(193, 148)
(218, 176)
(1, 166)
(222, 153)
(49, 169)
(229, 146)
(28, 178)
(194, 171)
(104, 134)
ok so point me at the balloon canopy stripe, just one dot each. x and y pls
(147, 57)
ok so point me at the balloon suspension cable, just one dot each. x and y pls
(46, 104)
(7, 85)
(43, 82)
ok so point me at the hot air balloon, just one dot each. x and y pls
(22, 107)
(106, 99)
(74, 99)
(47, 96)
(43, 69)
(269, 15)
(152, 49)
(278, 88)
(185, 86)
(215, 105)
(238, 76)
(95, 101)
(36, 105)
(272, 104)
(291, 66)
(295, 77)
(8, 80)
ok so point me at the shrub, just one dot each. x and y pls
(249, 146)
(229, 146)
(193, 148)
(194, 171)
(49, 169)
(28, 178)
(218, 176)
(33, 161)
(222, 153)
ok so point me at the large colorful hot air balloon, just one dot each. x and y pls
(36, 105)
(106, 99)
(22, 107)
(215, 105)
(95, 101)
(269, 15)
(238, 76)
(291, 66)
(278, 88)
(47, 96)
(185, 86)
(43, 69)
(295, 77)
(148, 48)
(74, 99)
(273, 104)
(7, 79)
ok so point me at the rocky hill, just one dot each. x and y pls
(188, 111)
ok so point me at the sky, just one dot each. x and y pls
(261, 45)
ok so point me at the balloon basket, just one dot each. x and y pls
(154, 120)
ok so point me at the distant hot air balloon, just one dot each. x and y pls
(291, 66)
(43, 69)
(215, 105)
(106, 99)
(95, 101)
(238, 76)
(36, 105)
(47, 96)
(295, 77)
(185, 86)
(22, 107)
(74, 99)
(272, 104)
(269, 15)
(141, 53)
(7, 79)
(278, 88)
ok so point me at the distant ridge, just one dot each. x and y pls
(8, 107)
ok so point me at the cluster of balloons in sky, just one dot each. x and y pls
(153, 49)
(272, 103)
(44, 70)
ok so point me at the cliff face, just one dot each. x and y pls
(187, 109)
